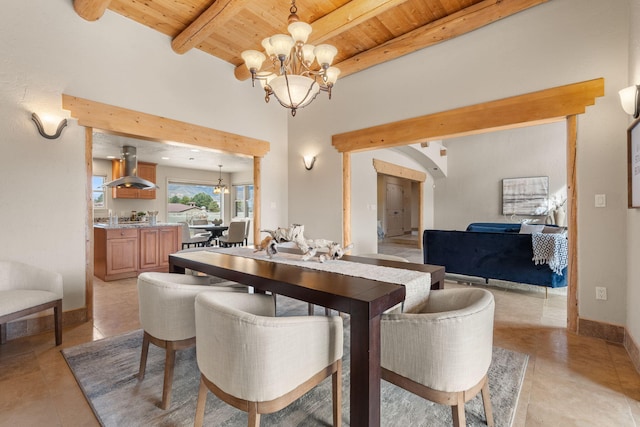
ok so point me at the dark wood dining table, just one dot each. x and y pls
(216, 230)
(363, 299)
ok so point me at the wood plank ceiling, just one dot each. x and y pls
(366, 32)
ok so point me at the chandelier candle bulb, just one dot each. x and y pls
(325, 54)
(299, 31)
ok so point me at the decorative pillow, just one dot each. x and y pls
(531, 228)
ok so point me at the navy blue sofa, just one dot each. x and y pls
(489, 251)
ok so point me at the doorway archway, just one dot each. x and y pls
(95, 115)
(562, 103)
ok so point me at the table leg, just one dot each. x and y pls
(365, 370)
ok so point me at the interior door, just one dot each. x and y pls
(395, 209)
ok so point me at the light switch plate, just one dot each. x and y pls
(601, 201)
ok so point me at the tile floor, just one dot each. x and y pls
(570, 380)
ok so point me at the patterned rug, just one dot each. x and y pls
(106, 372)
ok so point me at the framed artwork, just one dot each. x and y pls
(525, 196)
(633, 164)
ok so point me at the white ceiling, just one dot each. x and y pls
(170, 154)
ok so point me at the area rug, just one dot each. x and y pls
(106, 372)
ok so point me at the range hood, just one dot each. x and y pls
(130, 171)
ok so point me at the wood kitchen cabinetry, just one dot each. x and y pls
(144, 170)
(120, 253)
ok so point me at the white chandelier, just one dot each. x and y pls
(292, 77)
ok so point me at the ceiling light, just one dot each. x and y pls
(220, 187)
(291, 75)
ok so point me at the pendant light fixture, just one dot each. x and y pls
(220, 188)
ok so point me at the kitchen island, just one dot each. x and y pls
(126, 250)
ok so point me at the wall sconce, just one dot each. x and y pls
(41, 130)
(629, 100)
(308, 162)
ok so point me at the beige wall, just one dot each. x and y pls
(553, 44)
(633, 215)
(48, 50)
(472, 190)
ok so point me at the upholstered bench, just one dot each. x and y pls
(25, 289)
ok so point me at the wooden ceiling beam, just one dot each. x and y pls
(544, 106)
(214, 17)
(462, 22)
(349, 16)
(91, 10)
(123, 121)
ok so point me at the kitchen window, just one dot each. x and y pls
(243, 201)
(188, 200)
(98, 191)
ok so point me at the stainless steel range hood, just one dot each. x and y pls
(130, 171)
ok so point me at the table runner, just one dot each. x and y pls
(417, 283)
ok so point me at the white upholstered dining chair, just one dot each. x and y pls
(442, 352)
(166, 302)
(235, 235)
(27, 289)
(259, 363)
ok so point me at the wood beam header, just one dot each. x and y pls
(544, 106)
(391, 169)
(124, 121)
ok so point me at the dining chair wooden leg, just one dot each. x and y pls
(457, 410)
(57, 317)
(143, 356)
(486, 400)
(254, 416)
(169, 364)
(202, 401)
(336, 391)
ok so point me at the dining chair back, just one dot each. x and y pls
(442, 352)
(166, 304)
(196, 240)
(260, 363)
(235, 235)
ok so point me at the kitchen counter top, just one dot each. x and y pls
(134, 225)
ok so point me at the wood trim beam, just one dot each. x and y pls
(88, 161)
(392, 169)
(572, 224)
(354, 13)
(257, 199)
(220, 12)
(91, 10)
(155, 128)
(544, 106)
(346, 199)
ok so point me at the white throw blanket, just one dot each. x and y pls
(417, 284)
(550, 249)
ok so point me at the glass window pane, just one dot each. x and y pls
(187, 201)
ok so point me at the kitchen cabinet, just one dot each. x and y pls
(124, 252)
(144, 170)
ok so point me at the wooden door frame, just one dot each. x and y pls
(95, 115)
(412, 175)
(545, 106)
